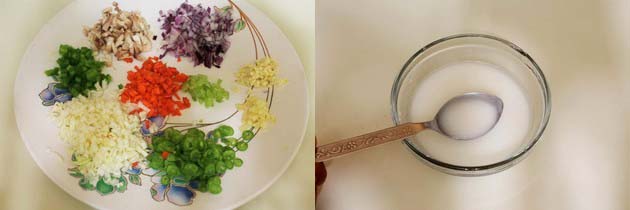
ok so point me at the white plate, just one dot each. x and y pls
(269, 153)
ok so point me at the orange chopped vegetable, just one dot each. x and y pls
(155, 85)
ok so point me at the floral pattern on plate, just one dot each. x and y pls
(178, 192)
(51, 94)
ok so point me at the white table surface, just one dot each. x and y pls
(23, 186)
(583, 47)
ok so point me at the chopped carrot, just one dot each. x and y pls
(155, 85)
(128, 60)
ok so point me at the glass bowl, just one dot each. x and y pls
(464, 63)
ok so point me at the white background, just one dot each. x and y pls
(583, 47)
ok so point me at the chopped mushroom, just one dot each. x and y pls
(120, 33)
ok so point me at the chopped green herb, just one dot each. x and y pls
(77, 70)
(204, 91)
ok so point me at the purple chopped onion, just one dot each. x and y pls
(197, 32)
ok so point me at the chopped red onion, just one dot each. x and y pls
(198, 33)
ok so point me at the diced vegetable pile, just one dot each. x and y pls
(102, 137)
(155, 85)
(77, 70)
(204, 91)
(192, 156)
(262, 73)
(255, 113)
(123, 34)
(201, 33)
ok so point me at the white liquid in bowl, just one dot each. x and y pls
(501, 142)
(468, 118)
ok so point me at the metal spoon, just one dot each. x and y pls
(343, 147)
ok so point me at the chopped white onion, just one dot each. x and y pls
(101, 134)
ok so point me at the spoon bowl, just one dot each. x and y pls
(460, 63)
(460, 104)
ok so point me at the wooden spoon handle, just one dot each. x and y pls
(339, 148)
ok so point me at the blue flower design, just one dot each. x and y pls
(152, 125)
(51, 94)
(178, 192)
(134, 175)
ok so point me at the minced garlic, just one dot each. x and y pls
(262, 73)
(255, 113)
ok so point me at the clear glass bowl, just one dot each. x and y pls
(478, 48)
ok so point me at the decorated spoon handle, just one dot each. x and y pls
(339, 148)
